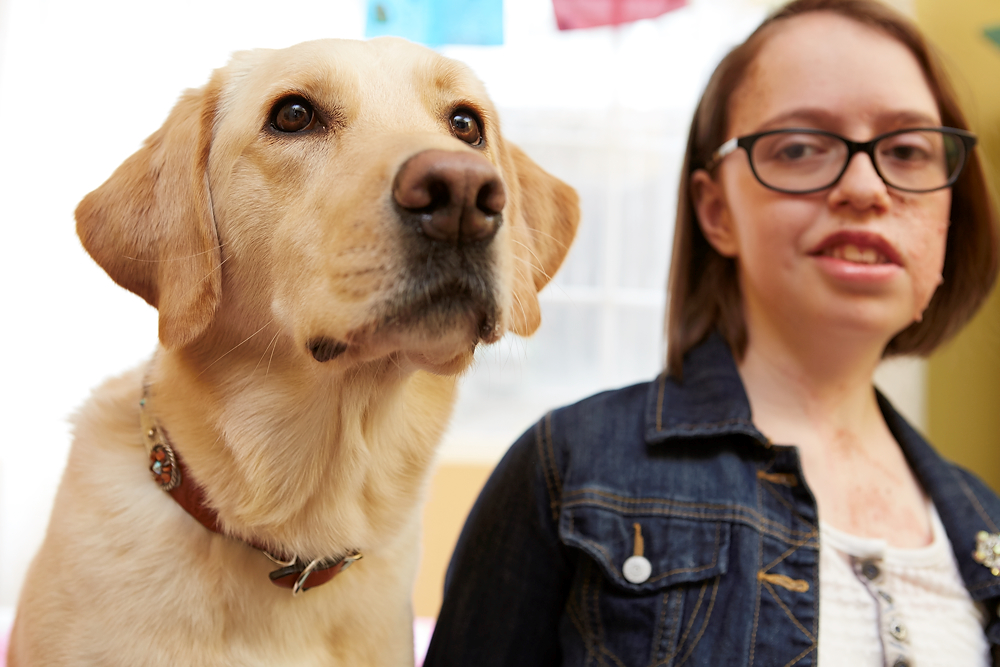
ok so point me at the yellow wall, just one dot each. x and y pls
(454, 488)
(963, 383)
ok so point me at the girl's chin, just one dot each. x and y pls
(830, 313)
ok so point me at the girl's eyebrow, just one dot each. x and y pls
(825, 119)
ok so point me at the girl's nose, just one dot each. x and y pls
(861, 188)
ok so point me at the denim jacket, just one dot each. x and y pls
(727, 525)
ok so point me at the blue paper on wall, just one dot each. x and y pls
(994, 34)
(437, 22)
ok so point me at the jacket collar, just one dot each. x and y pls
(711, 401)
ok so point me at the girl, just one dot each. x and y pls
(833, 212)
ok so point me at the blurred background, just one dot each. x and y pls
(604, 108)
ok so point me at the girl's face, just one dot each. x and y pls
(858, 257)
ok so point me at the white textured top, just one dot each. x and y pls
(884, 606)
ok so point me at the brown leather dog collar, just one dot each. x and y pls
(173, 477)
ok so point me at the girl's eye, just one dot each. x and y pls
(791, 148)
(905, 152)
(794, 149)
(465, 126)
(293, 114)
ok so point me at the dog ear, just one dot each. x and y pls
(151, 228)
(550, 211)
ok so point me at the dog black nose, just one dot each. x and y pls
(456, 196)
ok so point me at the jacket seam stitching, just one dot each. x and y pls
(675, 503)
(678, 620)
(599, 637)
(791, 550)
(553, 502)
(692, 619)
(575, 619)
(795, 512)
(801, 655)
(678, 606)
(815, 596)
(660, 626)
(704, 625)
(715, 559)
(788, 612)
(760, 561)
(556, 479)
(585, 615)
(728, 516)
(693, 426)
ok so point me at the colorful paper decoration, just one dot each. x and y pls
(437, 22)
(575, 14)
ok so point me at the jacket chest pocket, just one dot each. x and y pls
(646, 586)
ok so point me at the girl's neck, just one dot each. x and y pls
(813, 390)
(803, 387)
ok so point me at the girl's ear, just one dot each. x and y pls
(714, 218)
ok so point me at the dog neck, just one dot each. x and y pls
(299, 460)
(294, 572)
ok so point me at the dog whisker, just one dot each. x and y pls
(235, 346)
(538, 266)
(273, 340)
(554, 284)
(517, 301)
(174, 259)
(555, 239)
(270, 359)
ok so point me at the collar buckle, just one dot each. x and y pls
(297, 572)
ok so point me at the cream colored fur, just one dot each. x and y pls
(249, 245)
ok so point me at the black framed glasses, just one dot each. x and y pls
(801, 161)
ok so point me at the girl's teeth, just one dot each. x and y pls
(853, 253)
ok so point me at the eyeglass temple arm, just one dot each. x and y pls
(721, 152)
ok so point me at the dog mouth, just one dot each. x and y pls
(449, 317)
(443, 307)
(324, 348)
(444, 301)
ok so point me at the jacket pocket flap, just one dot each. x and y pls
(677, 550)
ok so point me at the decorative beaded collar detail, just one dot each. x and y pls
(987, 551)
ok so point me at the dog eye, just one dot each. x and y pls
(466, 127)
(292, 115)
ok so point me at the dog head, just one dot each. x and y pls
(356, 195)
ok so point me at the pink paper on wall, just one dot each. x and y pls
(575, 14)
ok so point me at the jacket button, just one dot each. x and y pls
(901, 662)
(636, 569)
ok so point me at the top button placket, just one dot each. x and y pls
(892, 629)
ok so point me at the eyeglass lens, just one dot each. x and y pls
(916, 160)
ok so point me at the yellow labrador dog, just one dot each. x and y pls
(328, 232)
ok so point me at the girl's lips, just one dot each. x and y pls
(857, 256)
(856, 272)
(858, 247)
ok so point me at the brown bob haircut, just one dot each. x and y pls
(704, 289)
